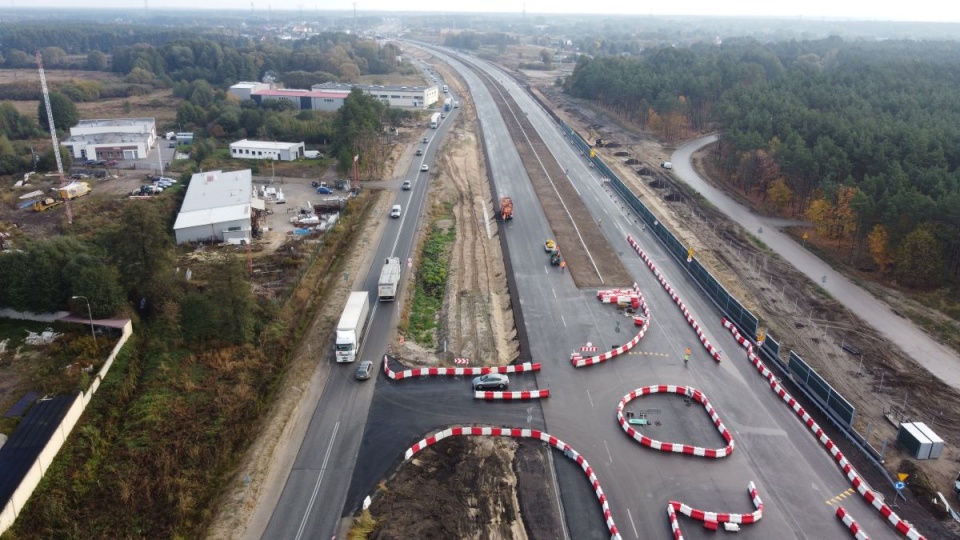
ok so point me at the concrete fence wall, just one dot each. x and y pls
(32, 479)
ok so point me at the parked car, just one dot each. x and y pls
(324, 190)
(666, 165)
(407, 185)
(78, 176)
(364, 370)
(424, 168)
(491, 380)
(395, 211)
(112, 163)
(172, 145)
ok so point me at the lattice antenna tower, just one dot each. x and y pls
(53, 134)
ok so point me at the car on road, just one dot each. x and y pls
(407, 185)
(419, 152)
(491, 380)
(395, 211)
(424, 168)
(172, 145)
(666, 165)
(364, 370)
(426, 140)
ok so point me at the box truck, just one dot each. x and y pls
(389, 279)
(435, 120)
(353, 323)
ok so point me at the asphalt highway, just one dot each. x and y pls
(360, 429)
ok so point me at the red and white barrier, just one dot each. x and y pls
(579, 361)
(714, 352)
(509, 396)
(852, 475)
(455, 372)
(527, 434)
(687, 391)
(711, 519)
(851, 524)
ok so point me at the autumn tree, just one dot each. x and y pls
(779, 194)
(878, 240)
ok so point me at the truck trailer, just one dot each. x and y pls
(389, 279)
(353, 323)
(435, 120)
(74, 190)
(447, 104)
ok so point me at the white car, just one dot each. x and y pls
(424, 168)
(395, 211)
(666, 165)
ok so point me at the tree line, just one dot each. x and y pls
(859, 137)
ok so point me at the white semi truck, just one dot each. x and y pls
(435, 120)
(353, 323)
(389, 279)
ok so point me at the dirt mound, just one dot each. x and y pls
(632, 161)
(657, 183)
(455, 472)
(645, 171)
(614, 145)
(621, 154)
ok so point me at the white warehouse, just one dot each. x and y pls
(303, 99)
(219, 206)
(117, 138)
(280, 151)
(410, 97)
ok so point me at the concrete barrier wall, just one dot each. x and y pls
(32, 479)
(30, 316)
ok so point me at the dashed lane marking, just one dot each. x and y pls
(648, 353)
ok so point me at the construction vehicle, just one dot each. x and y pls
(74, 190)
(45, 204)
(389, 279)
(53, 133)
(550, 246)
(506, 208)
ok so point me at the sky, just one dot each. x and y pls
(917, 10)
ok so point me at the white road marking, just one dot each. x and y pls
(554, 292)
(316, 487)
(609, 455)
(486, 221)
(564, 321)
(632, 524)
(590, 399)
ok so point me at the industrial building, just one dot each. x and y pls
(316, 100)
(244, 89)
(218, 207)
(118, 138)
(280, 151)
(407, 97)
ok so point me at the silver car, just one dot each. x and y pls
(364, 370)
(491, 380)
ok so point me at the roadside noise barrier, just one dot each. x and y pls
(714, 352)
(858, 483)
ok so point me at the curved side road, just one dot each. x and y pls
(936, 358)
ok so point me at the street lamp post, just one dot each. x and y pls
(90, 316)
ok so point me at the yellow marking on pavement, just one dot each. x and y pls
(840, 497)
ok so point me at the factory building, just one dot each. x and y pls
(406, 97)
(117, 138)
(280, 151)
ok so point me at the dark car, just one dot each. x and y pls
(364, 370)
(112, 163)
